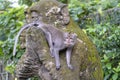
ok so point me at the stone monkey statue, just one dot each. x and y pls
(86, 62)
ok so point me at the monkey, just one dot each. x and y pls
(57, 41)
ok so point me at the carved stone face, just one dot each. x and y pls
(52, 13)
(60, 14)
(31, 16)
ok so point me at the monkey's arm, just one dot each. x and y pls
(50, 42)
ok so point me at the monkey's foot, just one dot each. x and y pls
(70, 67)
(58, 68)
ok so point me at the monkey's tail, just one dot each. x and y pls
(17, 37)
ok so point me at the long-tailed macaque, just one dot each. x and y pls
(57, 40)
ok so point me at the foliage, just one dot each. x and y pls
(30, 2)
(107, 40)
(27, 2)
(79, 10)
(105, 36)
(4, 4)
(11, 21)
(10, 68)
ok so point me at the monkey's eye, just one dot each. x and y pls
(71, 38)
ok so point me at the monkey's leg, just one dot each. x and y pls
(68, 58)
(50, 42)
(57, 59)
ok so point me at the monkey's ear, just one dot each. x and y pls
(74, 35)
(66, 34)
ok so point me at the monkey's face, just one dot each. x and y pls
(70, 39)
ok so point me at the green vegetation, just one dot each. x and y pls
(11, 19)
(104, 34)
(106, 37)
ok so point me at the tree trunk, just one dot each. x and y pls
(37, 61)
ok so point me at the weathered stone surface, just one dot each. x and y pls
(37, 61)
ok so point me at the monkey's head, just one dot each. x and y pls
(70, 39)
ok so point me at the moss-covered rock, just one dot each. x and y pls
(85, 58)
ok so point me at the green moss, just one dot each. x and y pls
(92, 57)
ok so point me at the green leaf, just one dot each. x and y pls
(1, 52)
(105, 57)
(108, 65)
(115, 76)
(10, 68)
